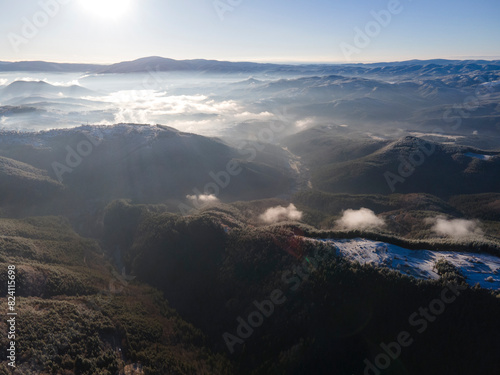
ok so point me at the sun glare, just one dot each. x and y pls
(107, 8)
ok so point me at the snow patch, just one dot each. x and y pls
(476, 268)
(479, 156)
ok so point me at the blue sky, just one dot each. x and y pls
(250, 30)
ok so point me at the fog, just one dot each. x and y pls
(225, 105)
(206, 105)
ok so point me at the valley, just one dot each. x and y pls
(148, 205)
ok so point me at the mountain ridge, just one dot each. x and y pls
(152, 63)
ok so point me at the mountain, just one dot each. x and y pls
(40, 88)
(222, 273)
(160, 64)
(340, 223)
(343, 160)
(414, 67)
(412, 165)
(23, 185)
(326, 144)
(219, 290)
(149, 164)
(9, 110)
(154, 63)
(79, 316)
(378, 102)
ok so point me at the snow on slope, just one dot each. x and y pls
(42, 138)
(478, 156)
(476, 268)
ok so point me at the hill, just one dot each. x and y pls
(421, 68)
(22, 185)
(347, 162)
(411, 165)
(77, 315)
(149, 164)
(40, 88)
(217, 271)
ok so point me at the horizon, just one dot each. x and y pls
(291, 62)
(103, 32)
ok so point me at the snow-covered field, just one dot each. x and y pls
(476, 268)
(478, 156)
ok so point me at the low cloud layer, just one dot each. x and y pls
(152, 107)
(278, 213)
(455, 227)
(363, 218)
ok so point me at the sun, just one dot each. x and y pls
(107, 8)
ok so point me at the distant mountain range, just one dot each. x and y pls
(155, 63)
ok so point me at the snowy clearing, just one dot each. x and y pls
(478, 156)
(476, 268)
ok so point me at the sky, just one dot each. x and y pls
(333, 31)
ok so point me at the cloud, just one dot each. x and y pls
(253, 116)
(73, 82)
(359, 219)
(278, 213)
(163, 104)
(202, 199)
(305, 123)
(455, 227)
(152, 107)
(30, 79)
